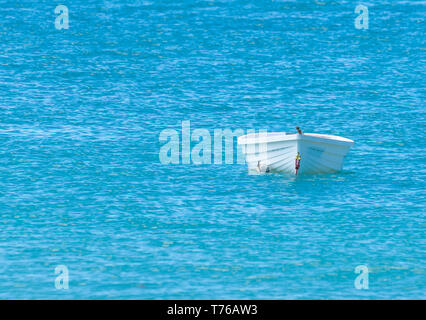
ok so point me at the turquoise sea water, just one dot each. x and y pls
(81, 183)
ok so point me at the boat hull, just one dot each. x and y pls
(280, 152)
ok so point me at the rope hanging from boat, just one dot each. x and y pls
(297, 162)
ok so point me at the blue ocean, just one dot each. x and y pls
(88, 209)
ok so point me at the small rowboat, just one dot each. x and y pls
(294, 153)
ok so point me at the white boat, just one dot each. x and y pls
(294, 153)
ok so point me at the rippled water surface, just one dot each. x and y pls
(81, 183)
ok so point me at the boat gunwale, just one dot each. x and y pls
(270, 137)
